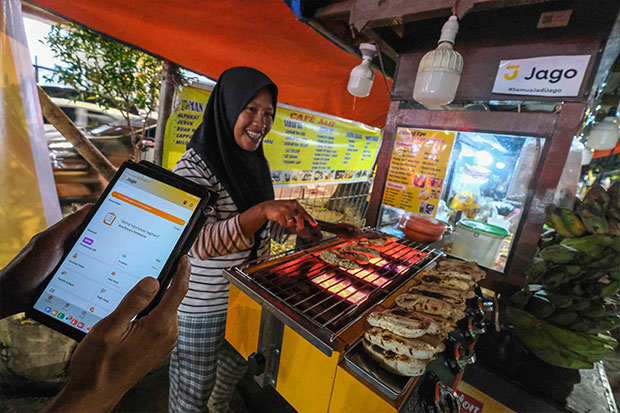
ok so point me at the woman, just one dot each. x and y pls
(225, 155)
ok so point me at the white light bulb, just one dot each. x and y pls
(439, 71)
(362, 76)
(604, 135)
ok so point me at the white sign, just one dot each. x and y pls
(541, 76)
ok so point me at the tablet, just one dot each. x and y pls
(144, 221)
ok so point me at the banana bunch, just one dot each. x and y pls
(572, 294)
(559, 346)
(598, 213)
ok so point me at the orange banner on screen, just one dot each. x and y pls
(148, 208)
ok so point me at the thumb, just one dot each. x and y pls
(135, 301)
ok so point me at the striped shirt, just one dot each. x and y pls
(220, 244)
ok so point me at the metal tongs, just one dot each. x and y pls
(341, 229)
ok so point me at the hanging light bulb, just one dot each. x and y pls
(604, 135)
(439, 72)
(362, 76)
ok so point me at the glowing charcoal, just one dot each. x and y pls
(375, 260)
(379, 262)
(357, 297)
(401, 269)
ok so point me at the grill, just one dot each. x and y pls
(319, 300)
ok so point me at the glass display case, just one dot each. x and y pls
(476, 183)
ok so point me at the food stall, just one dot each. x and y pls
(488, 165)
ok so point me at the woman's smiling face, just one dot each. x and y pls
(254, 121)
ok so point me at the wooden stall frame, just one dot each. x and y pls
(556, 129)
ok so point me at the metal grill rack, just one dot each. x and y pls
(319, 300)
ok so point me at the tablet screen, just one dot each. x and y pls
(130, 237)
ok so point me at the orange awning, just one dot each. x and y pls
(211, 36)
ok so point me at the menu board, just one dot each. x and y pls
(417, 169)
(187, 113)
(302, 147)
(306, 148)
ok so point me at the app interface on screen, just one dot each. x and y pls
(130, 237)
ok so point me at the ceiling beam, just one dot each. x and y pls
(380, 13)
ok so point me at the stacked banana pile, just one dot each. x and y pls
(571, 299)
(405, 338)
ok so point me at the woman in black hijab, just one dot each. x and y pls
(226, 155)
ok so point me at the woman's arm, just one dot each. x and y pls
(288, 213)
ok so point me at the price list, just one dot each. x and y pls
(417, 170)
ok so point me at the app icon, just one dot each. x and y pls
(88, 328)
(113, 273)
(69, 317)
(67, 305)
(49, 297)
(75, 255)
(109, 218)
(48, 309)
(88, 241)
(54, 312)
(74, 322)
(61, 315)
(92, 309)
(80, 325)
(103, 290)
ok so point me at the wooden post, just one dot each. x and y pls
(82, 145)
(170, 80)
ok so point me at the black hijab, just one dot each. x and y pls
(245, 174)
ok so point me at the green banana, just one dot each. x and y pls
(593, 218)
(521, 318)
(540, 307)
(583, 325)
(610, 289)
(521, 298)
(554, 220)
(556, 345)
(609, 260)
(598, 197)
(614, 274)
(613, 220)
(601, 339)
(562, 318)
(559, 254)
(554, 279)
(536, 270)
(579, 303)
(547, 350)
(615, 244)
(559, 300)
(571, 340)
(590, 246)
(572, 222)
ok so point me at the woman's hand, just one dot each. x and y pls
(288, 213)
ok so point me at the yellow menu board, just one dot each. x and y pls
(188, 111)
(307, 148)
(417, 170)
(303, 147)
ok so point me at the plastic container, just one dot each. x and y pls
(478, 241)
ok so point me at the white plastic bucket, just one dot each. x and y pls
(478, 241)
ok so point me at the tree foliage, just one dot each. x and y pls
(107, 72)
